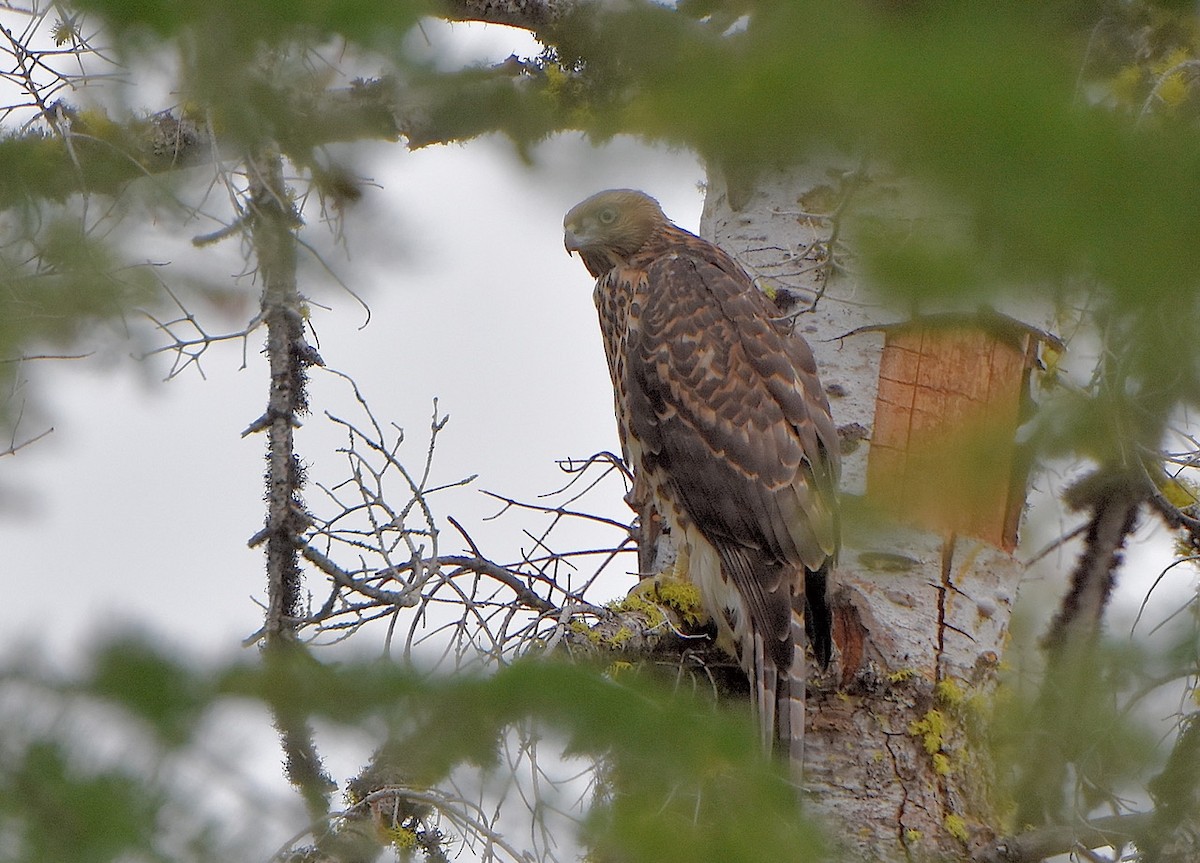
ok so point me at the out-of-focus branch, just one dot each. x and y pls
(1114, 498)
(1036, 845)
(1177, 518)
(94, 154)
(1173, 834)
(526, 14)
(87, 152)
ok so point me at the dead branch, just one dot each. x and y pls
(275, 250)
(188, 349)
(14, 447)
(504, 576)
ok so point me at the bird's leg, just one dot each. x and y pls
(673, 592)
(649, 530)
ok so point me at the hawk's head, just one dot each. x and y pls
(610, 226)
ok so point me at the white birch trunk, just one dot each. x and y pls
(894, 759)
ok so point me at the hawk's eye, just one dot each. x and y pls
(607, 216)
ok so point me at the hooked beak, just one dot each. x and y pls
(571, 242)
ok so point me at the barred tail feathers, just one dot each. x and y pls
(791, 697)
(765, 682)
(779, 695)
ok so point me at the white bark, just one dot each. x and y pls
(893, 760)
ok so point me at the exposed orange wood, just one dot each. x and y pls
(943, 444)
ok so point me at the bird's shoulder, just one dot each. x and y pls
(686, 277)
(675, 250)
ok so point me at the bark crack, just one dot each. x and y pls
(901, 809)
(942, 590)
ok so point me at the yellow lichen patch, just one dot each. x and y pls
(1179, 492)
(931, 728)
(949, 692)
(1050, 355)
(912, 837)
(580, 628)
(941, 764)
(640, 603)
(1183, 549)
(1169, 61)
(668, 595)
(1125, 84)
(1172, 86)
(902, 675)
(956, 826)
(684, 597)
(606, 636)
(401, 837)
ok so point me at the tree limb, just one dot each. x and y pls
(526, 14)
(1037, 845)
(1114, 498)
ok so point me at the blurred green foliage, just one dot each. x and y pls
(687, 782)
(93, 766)
(52, 810)
(1087, 717)
(58, 282)
(1026, 121)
